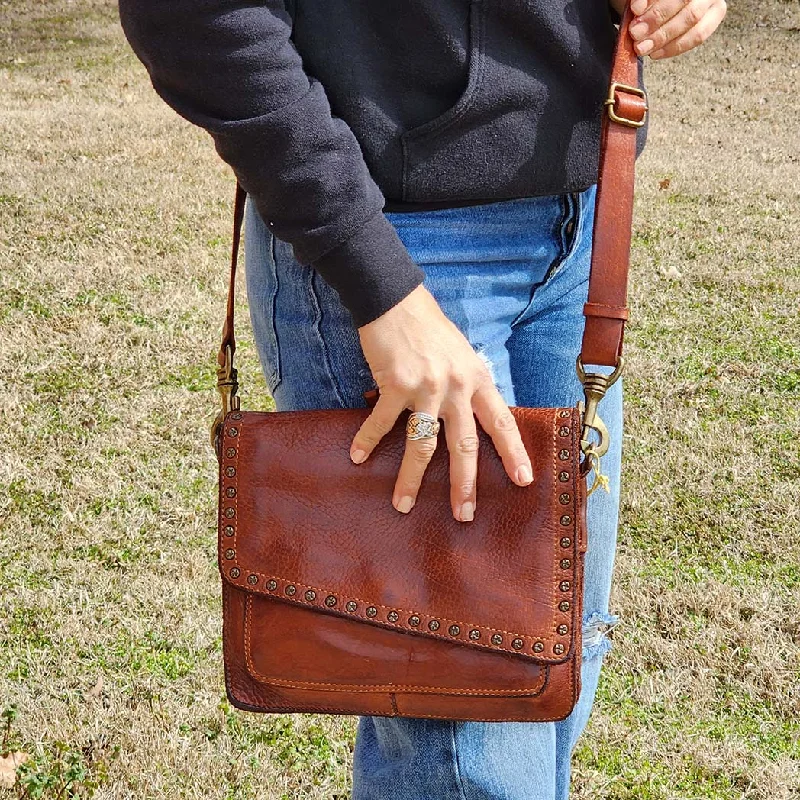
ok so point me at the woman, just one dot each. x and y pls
(421, 179)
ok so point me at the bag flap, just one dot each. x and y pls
(299, 522)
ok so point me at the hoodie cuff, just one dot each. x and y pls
(372, 270)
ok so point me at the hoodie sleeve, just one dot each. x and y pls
(230, 67)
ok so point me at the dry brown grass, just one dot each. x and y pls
(114, 221)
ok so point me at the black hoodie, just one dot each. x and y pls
(331, 111)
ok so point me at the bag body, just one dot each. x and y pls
(335, 603)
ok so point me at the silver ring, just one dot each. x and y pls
(421, 426)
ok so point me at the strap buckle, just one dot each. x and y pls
(227, 386)
(611, 103)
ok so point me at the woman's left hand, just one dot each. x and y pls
(666, 28)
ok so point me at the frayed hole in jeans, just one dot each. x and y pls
(488, 362)
(596, 629)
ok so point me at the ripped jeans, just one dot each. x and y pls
(512, 275)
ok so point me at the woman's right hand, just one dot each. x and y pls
(422, 362)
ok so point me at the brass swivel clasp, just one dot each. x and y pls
(227, 386)
(595, 386)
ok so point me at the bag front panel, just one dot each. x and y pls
(300, 522)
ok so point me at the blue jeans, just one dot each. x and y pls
(513, 276)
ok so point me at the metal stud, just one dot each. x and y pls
(564, 586)
(230, 452)
(290, 589)
(351, 606)
(230, 554)
(562, 629)
(372, 611)
(517, 644)
(565, 412)
(235, 572)
(310, 595)
(392, 616)
(563, 476)
(230, 491)
(454, 630)
(229, 530)
(497, 638)
(434, 625)
(558, 649)
(564, 498)
(236, 415)
(413, 620)
(230, 512)
(272, 585)
(233, 431)
(564, 431)
(330, 601)
(563, 455)
(566, 519)
(230, 471)
(474, 634)
(538, 647)
(565, 563)
(252, 579)
(563, 605)
(566, 541)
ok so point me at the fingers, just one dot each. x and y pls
(498, 421)
(417, 456)
(462, 443)
(382, 419)
(653, 15)
(671, 27)
(696, 35)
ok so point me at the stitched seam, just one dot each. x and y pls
(571, 214)
(576, 491)
(276, 376)
(323, 344)
(561, 233)
(479, 53)
(457, 767)
(568, 214)
(469, 101)
(383, 687)
(556, 539)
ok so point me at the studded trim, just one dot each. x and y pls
(560, 639)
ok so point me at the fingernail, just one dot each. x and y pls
(638, 30)
(358, 456)
(643, 48)
(467, 513)
(405, 504)
(524, 475)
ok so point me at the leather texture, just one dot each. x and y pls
(606, 311)
(335, 603)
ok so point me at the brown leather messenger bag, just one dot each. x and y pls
(335, 603)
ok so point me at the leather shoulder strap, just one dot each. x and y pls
(624, 113)
(606, 309)
(228, 338)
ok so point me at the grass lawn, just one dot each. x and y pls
(114, 230)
